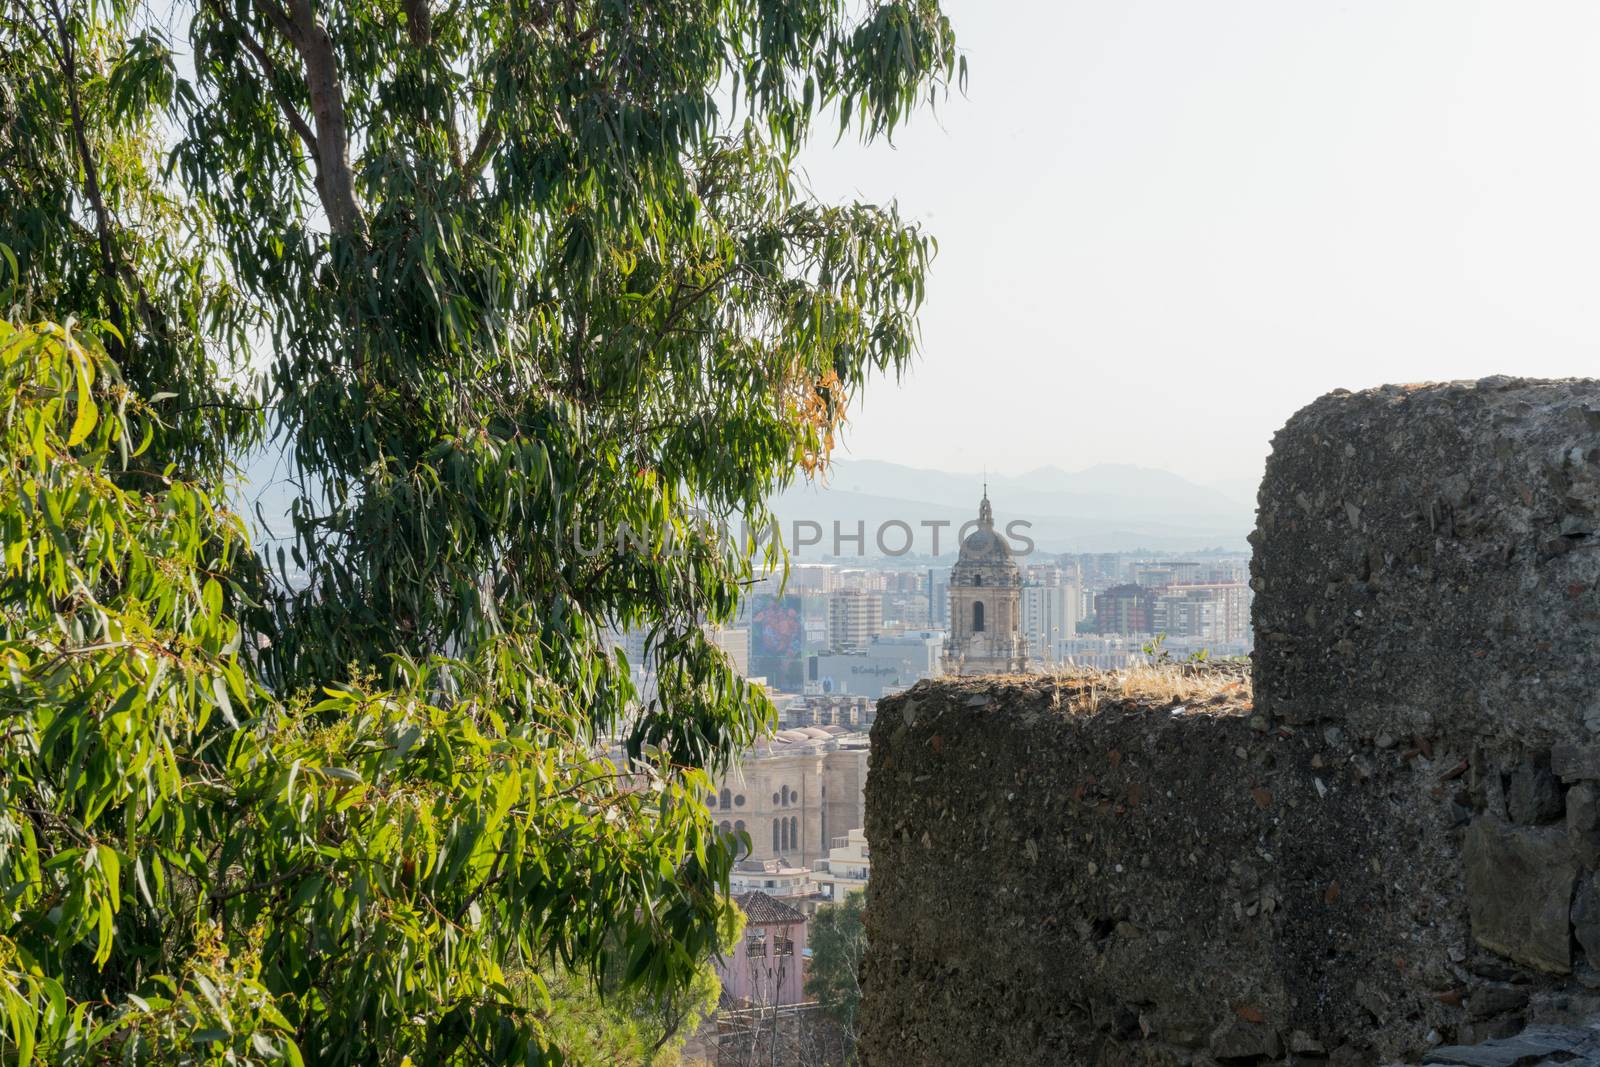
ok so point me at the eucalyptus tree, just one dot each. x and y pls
(509, 277)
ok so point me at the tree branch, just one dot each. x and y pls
(335, 182)
(219, 896)
(488, 138)
(269, 70)
(67, 58)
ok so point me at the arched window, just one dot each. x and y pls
(785, 796)
(977, 579)
(777, 842)
(977, 627)
(726, 828)
(783, 825)
(794, 832)
(774, 800)
(727, 797)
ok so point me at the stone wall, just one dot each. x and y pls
(1386, 852)
(1428, 558)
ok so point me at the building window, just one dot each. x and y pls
(774, 800)
(794, 832)
(777, 843)
(977, 579)
(977, 628)
(738, 801)
(727, 797)
(727, 828)
(786, 796)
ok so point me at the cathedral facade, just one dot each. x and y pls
(985, 604)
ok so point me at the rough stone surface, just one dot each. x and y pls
(1576, 762)
(1151, 883)
(1519, 891)
(1429, 556)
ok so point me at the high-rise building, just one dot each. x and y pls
(812, 578)
(777, 639)
(855, 617)
(905, 611)
(1125, 609)
(1217, 613)
(1050, 614)
(938, 597)
(1099, 568)
(1158, 574)
(864, 580)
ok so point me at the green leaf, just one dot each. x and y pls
(111, 868)
(87, 415)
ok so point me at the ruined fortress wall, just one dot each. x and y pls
(1390, 852)
(1428, 558)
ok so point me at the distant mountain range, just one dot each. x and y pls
(1104, 508)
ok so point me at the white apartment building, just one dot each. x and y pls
(772, 877)
(847, 868)
(1051, 611)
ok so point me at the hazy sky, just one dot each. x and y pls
(1164, 225)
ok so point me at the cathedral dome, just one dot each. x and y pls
(985, 544)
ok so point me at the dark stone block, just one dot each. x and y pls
(1519, 892)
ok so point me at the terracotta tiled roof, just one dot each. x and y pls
(766, 911)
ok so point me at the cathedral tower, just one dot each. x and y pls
(985, 604)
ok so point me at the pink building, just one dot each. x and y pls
(766, 968)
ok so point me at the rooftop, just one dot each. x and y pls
(767, 911)
(808, 738)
